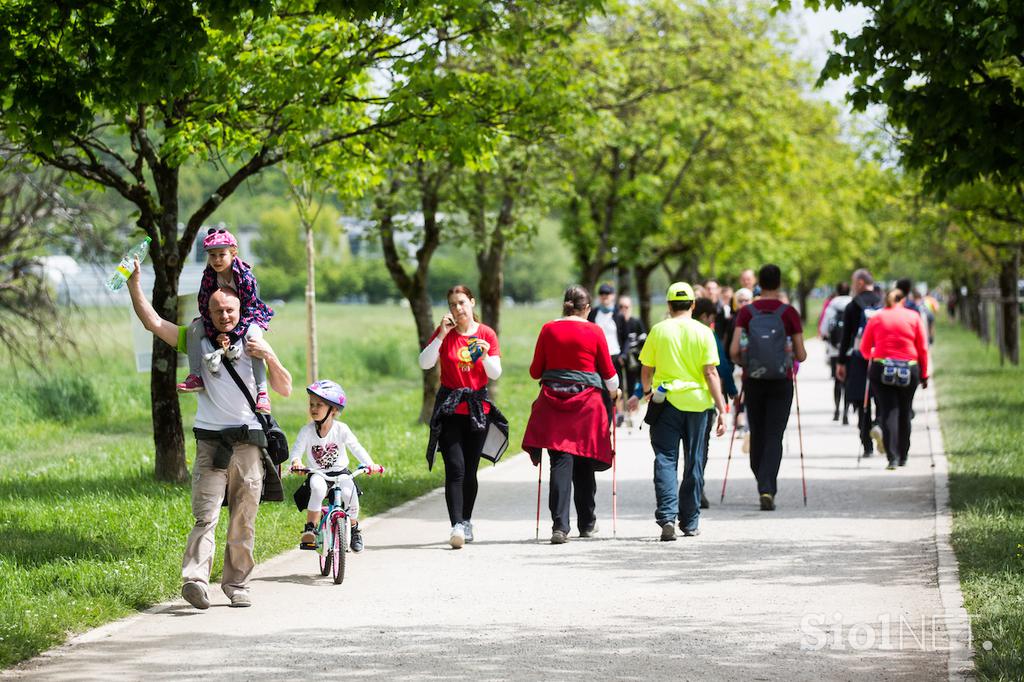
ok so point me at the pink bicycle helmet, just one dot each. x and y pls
(219, 238)
(328, 391)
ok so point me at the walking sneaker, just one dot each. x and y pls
(767, 502)
(240, 599)
(195, 594)
(846, 419)
(589, 532)
(704, 504)
(559, 537)
(357, 539)
(263, 402)
(668, 532)
(467, 529)
(690, 532)
(903, 461)
(458, 537)
(191, 384)
(876, 435)
(308, 538)
(891, 466)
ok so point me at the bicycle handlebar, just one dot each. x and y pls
(360, 470)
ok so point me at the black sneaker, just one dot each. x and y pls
(357, 539)
(589, 532)
(767, 502)
(308, 538)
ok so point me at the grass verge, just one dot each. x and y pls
(87, 535)
(982, 409)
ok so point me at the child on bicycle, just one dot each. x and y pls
(225, 269)
(323, 443)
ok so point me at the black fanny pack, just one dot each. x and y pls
(896, 372)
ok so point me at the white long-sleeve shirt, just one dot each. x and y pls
(430, 355)
(329, 453)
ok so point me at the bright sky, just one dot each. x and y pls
(815, 41)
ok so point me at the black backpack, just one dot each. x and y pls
(766, 345)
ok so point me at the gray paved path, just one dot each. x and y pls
(756, 596)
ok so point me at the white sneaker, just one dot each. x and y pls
(876, 435)
(467, 530)
(458, 536)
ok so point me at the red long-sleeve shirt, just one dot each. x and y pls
(896, 333)
(568, 344)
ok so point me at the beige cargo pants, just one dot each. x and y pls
(243, 481)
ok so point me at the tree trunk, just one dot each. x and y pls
(168, 435)
(643, 292)
(1009, 306)
(423, 314)
(622, 275)
(414, 286)
(312, 361)
(490, 254)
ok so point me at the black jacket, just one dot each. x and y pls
(493, 422)
(851, 320)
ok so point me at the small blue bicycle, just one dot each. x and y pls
(334, 532)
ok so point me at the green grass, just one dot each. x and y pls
(87, 535)
(982, 409)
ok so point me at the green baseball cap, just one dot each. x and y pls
(680, 291)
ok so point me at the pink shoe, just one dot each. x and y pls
(191, 384)
(263, 402)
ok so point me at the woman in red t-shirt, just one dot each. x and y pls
(570, 417)
(469, 356)
(896, 338)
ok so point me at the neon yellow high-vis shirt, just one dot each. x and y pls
(678, 349)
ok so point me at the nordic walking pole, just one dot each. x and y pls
(928, 428)
(615, 458)
(800, 431)
(540, 470)
(735, 425)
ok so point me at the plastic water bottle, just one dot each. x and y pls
(659, 394)
(127, 264)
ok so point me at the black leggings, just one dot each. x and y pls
(572, 476)
(460, 447)
(838, 388)
(768, 405)
(894, 411)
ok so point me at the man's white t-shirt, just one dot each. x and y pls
(222, 405)
(606, 321)
(329, 453)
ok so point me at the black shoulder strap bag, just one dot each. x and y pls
(277, 442)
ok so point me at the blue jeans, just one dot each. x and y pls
(674, 426)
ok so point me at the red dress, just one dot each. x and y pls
(575, 423)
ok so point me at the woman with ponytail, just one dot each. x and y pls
(571, 417)
(465, 424)
(896, 341)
